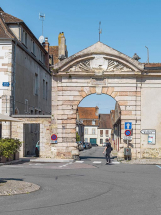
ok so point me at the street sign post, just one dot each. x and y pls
(148, 131)
(128, 125)
(127, 138)
(53, 138)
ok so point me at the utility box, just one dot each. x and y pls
(127, 153)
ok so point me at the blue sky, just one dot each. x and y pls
(127, 25)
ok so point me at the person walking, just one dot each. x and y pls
(108, 151)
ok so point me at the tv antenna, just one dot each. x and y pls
(100, 30)
(42, 18)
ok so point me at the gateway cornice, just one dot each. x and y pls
(101, 50)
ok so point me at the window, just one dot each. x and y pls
(107, 133)
(36, 84)
(44, 89)
(86, 130)
(101, 133)
(93, 131)
(86, 140)
(26, 106)
(101, 141)
(33, 47)
(40, 55)
(93, 122)
(25, 39)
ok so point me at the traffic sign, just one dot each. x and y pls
(148, 131)
(128, 125)
(5, 84)
(53, 137)
(127, 138)
(127, 132)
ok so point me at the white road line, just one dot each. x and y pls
(65, 164)
(115, 162)
(158, 166)
(79, 161)
(97, 161)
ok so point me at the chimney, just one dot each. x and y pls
(61, 46)
(46, 47)
(46, 44)
(97, 111)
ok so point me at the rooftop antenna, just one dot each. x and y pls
(42, 18)
(147, 54)
(100, 30)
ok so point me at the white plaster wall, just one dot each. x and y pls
(90, 135)
(5, 70)
(104, 135)
(151, 115)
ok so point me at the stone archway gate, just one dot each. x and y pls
(101, 69)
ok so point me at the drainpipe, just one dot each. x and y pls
(14, 72)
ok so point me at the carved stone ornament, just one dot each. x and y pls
(98, 90)
(99, 64)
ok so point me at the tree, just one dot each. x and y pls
(77, 137)
(9, 146)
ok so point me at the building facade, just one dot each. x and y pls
(89, 117)
(104, 128)
(25, 78)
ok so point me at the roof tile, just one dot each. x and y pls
(88, 112)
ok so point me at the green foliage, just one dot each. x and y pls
(9, 146)
(77, 137)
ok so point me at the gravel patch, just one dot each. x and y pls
(13, 187)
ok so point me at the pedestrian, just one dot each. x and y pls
(108, 150)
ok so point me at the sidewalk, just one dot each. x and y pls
(37, 160)
(147, 161)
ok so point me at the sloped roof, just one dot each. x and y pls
(5, 32)
(89, 122)
(153, 66)
(9, 18)
(105, 121)
(87, 113)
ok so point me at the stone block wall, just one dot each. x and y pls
(70, 91)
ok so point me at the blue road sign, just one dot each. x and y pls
(5, 84)
(128, 125)
(127, 132)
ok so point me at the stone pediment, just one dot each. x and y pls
(99, 64)
(99, 57)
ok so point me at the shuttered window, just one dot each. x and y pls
(101, 133)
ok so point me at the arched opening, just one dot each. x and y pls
(98, 118)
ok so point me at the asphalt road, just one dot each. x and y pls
(87, 187)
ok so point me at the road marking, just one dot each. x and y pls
(79, 161)
(158, 166)
(97, 161)
(115, 162)
(65, 164)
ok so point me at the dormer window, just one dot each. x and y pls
(93, 122)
